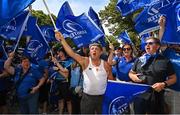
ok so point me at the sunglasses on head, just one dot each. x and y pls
(150, 43)
(124, 49)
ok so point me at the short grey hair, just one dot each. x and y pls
(96, 44)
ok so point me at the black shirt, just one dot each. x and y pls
(155, 70)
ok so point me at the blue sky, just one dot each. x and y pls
(78, 6)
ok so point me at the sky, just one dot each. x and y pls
(78, 6)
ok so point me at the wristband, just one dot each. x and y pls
(165, 84)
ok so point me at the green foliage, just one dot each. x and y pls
(117, 24)
(43, 19)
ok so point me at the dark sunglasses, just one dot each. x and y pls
(150, 43)
(124, 49)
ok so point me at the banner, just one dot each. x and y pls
(12, 30)
(48, 32)
(118, 95)
(147, 20)
(129, 6)
(81, 29)
(125, 37)
(11, 8)
(37, 47)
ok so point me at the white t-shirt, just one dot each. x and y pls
(95, 79)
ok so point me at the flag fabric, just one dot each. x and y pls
(65, 10)
(119, 95)
(81, 29)
(125, 37)
(48, 32)
(128, 6)
(93, 15)
(37, 47)
(12, 30)
(143, 40)
(147, 20)
(3, 51)
(11, 8)
(171, 35)
(177, 11)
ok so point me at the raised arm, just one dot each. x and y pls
(69, 51)
(111, 53)
(162, 22)
(109, 71)
(61, 70)
(7, 65)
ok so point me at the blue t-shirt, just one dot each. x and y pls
(123, 68)
(31, 80)
(175, 60)
(76, 79)
(41, 65)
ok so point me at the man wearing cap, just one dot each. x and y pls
(95, 75)
(27, 80)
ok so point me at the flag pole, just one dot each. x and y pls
(21, 32)
(108, 40)
(50, 15)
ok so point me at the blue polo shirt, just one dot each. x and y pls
(31, 79)
(175, 60)
(123, 67)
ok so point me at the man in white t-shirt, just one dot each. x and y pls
(95, 73)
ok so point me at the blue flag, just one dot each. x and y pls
(93, 15)
(125, 37)
(37, 47)
(48, 32)
(128, 6)
(13, 29)
(119, 95)
(3, 51)
(177, 11)
(11, 8)
(171, 35)
(64, 11)
(81, 29)
(147, 20)
(143, 40)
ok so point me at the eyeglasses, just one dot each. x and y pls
(124, 49)
(150, 43)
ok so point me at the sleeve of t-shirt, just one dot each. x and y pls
(170, 69)
(115, 58)
(134, 67)
(38, 74)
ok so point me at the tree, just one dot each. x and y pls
(43, 19)
(117, 24)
